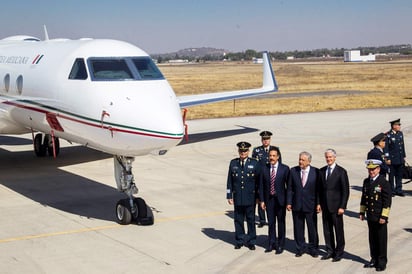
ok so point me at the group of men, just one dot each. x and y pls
(305, 190)
(389, 148)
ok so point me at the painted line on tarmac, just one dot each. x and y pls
(52, 234)
(100, 228)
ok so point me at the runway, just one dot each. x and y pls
(58, 215)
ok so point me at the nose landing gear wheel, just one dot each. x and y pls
(145, 213)
(142, 214)
(123, 212)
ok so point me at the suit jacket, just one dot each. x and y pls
(302, 198)
(376, 199)
(242, 183)
(334, 191)
(377, 154)
(281, 180)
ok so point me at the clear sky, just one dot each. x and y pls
(161, 26)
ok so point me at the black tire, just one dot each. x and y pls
(39, 148)
(144, 214)
(141, 207)
(48, 143)
(123, 212)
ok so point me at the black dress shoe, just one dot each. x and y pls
(327, 257)
(261, 225)
(270, 248)
(279, 250)
(402, 195)
(251, 247)
(369, 264)
(314, 254)
(238, 246)
(336, 259)
(298, 254)
(380, 268)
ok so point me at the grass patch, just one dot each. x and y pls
(388, 84)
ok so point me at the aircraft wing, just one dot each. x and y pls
(269, 85)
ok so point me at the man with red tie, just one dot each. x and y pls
(272, 194)
(303, 201)
(261, 154)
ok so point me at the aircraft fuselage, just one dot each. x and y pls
(105, 94)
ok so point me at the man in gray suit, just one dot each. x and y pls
(334, 195)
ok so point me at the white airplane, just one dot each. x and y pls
(104, 94)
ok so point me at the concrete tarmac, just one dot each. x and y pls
(58, 215)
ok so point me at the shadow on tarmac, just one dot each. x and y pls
(42, 180)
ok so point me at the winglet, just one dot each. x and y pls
(46, 35)
(269, 81)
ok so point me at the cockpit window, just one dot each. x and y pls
(124, 68)
(110, 69)
(147, 69)
(78, 71)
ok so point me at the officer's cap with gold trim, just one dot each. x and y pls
(395, 122)
(265, 134)
(379, 137)
(372, 163)
(243, 146)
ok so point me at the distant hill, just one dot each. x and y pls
(192, 53)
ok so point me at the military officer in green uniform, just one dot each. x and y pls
(261, 153)
(375, 203)
(242, 184)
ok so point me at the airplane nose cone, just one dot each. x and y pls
(154, 116)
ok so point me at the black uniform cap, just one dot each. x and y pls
(266, 134)
(394, 122)
(378, 138)
(243, 146)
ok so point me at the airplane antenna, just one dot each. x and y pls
(46, 35)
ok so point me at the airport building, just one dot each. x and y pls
(355, 56)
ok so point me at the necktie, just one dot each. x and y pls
(303, 178)
(329, 172)
(242, 164)
(272, 180)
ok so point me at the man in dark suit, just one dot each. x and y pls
(377, 152)
(261, 154)
(376, 202)
(242, 184)
(272, 194)
(303, 200)
(334, 195)
(395, 153)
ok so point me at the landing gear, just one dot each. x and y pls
(129, 209)
(45, 145)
